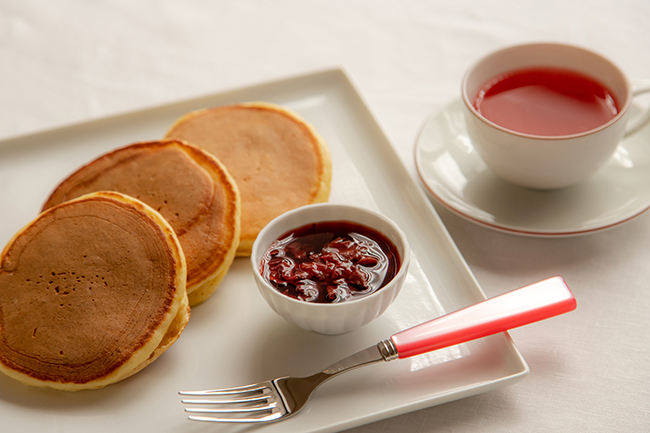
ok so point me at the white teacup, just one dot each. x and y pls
(549, 161)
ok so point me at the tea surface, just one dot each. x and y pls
(546, 101)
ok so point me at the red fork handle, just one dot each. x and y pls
(519, 307)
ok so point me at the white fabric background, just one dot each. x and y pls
(62, 62)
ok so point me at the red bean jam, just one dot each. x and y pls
(330, 262)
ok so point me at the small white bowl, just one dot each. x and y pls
(341, 317)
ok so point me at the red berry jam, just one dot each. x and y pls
(330, 262)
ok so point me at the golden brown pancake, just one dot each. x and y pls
(191, 190)
(91, 291)
(278, 160)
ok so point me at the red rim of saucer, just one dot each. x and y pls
(497, 227)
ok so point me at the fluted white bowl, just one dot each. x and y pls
(334, 318)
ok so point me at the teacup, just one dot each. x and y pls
(545, 158)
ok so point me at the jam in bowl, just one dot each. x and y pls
(330, 268)
(330, 262)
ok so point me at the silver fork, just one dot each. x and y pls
(283, 397)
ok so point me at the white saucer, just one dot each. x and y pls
(455, 176)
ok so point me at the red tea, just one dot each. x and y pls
(546, 101)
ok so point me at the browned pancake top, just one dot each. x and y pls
(275, 159)
(82, 288)
(181, 182)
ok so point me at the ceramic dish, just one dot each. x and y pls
(234, 337)
(457, 178)
(339, 317)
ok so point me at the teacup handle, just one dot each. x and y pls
(641, 119)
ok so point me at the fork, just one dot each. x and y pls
(283, 397)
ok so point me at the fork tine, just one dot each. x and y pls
(247, 409)
(245, 394)
(271, 417)
(265, 397)
(226, 391)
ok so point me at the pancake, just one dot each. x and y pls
(91, 292)
(278, 160)
(191, 190)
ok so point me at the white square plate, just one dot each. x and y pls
(234, 338)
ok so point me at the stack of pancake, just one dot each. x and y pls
(101, 282)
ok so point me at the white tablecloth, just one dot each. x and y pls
(64, 62)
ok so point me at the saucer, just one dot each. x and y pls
(457, 178)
